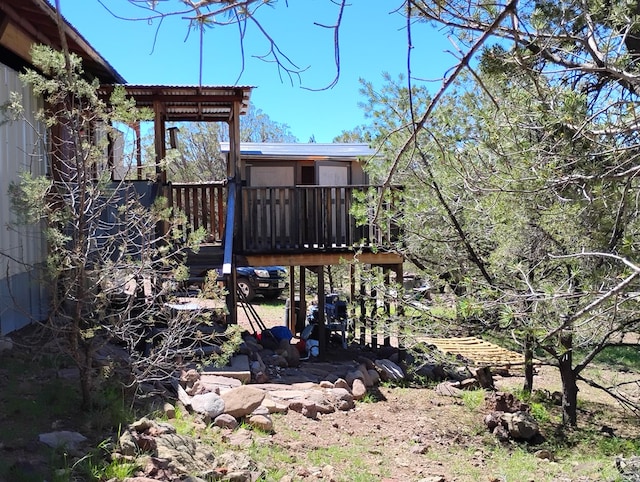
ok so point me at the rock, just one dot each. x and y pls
(358, 390)
(196, 388)
(521, 425)
(505, 402)
(354, 375)
(241, 401)
(343, 397)
(261, 421)
(389, 371)
(326, 384)
(374, 376)
(225, 420)
(485, 378)
(368, 382)
(493, 419)
(468, 384)
(209, 404)
(309, 410)
(447, 389)
(169, 410)
(62, 439)
(183, 396)
(629, 467)
(185, 455)
(544, 454)
(323, 400)
(189, 377)
(341, 383)
(274, 406)
(501, 433)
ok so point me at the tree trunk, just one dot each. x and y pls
(528, 363)
(569, 385)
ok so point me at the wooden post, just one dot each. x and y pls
(400, 311)
(374, 312)
(292, 300)
(159, 141)
(303, 291)
(352, 298)
(322, 335)
(363, 308)
(387, 305)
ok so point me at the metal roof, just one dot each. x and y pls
(302, 150)
(37, 19)
(180, 103)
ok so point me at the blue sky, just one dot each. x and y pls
(373, 41)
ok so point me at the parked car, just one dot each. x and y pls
(268, 281)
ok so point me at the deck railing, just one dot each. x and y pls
(300, 218)
(203, 204)
(304, 218)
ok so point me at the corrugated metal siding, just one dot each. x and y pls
(21, 294)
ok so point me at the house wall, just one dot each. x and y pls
(22, 248)
(273, 173)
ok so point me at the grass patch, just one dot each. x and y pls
(473, 399)
(620, 357)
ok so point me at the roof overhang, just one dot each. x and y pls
(271, 151)
(188, 103)
(24, 23)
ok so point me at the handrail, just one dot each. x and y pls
(311, 217)
(227, 260)
(202, 204)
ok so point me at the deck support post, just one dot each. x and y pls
(292, 318)
(232, 297)
(303, 292)
(322, 335)
(398, 270)
(352, 300)
(363, 307)
(374, 309)
(387, 305)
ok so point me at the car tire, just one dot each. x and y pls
(247, 290)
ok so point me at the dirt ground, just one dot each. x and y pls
(397, 434)
(414, 434)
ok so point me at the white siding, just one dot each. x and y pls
(22, 247)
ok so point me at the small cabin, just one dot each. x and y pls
(298, 198)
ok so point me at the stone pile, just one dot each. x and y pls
(510, 418)
(311, 389)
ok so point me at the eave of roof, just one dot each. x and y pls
(38, 19)
(277, 150)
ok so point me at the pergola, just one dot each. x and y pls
(176, 103)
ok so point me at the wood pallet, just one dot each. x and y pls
(478, 351)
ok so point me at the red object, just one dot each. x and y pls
(302, 347)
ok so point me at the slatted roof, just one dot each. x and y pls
(180, 103)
